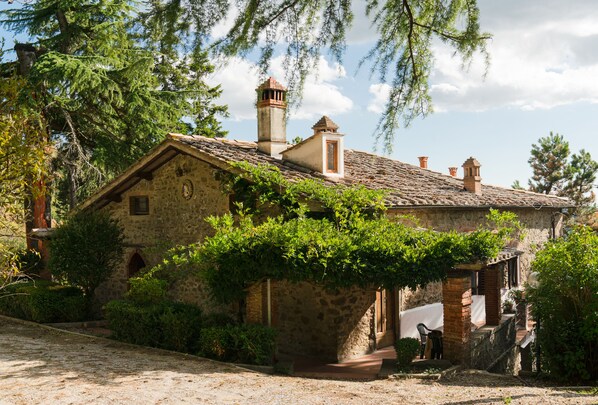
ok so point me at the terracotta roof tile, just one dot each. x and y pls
(271, 83)
(409, 185)
(325, 122)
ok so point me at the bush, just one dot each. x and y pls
(86, 250)
(169, 325)
(407, 349)
(181, 325)
(133, 323)
(30, 262)
(146, 290)
(44, 302)
(218, 319)
(565, 303)
(250, 344)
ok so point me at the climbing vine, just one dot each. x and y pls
(349, 243)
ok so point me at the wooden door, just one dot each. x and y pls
(385, 317)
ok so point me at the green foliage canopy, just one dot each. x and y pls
(86, 250)
(106, 94)
(566, 304)
(349, 245)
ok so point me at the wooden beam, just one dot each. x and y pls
(470, 266)
(115, 198)
(146, 175)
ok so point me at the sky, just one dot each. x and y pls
(543, 76)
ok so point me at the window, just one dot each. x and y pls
(332, 156)
(513, 268)
(139, 205)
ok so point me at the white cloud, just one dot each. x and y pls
(538, 61)
(321, 96)
(238, 79)
(381, 92)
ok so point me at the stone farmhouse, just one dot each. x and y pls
(162, 200)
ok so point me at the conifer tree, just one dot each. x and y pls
(105, 96)
(549, 161)
(556, 172)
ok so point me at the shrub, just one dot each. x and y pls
(134, 323)
(86, 250)
(146, 290)
(407, 349)
(218, 319)
(181, 325)
(250, 344)
(30, 262)
(44, 302)
(565, 303)
(169, 325)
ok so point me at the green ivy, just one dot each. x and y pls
(345, 240)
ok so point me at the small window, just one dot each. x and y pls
(332, 156)
(139, 205)
(513, 267)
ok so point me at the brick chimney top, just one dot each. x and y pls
(423, 162)
(453, 171)
(324, 124)
(271, 93)
(472, 181)
(271, 83)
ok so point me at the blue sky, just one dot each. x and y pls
(543, 77)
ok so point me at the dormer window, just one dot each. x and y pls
(332, 156)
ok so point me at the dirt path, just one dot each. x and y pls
(41, 366)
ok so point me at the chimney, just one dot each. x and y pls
(471, 176)
(271, 118)
(325, 124)
(453, 171)
(423, 162)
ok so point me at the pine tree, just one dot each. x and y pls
(549, 162)
(581, 176)
(105, 96)
(555, 173)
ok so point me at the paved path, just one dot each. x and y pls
(43, 366)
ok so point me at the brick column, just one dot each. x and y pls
(456, 296)
(492, 293)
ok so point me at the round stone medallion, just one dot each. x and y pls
(187, 189)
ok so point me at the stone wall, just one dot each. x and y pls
(172, 220)
(492, 343)
(332, 325)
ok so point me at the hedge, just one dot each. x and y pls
(168, 325)
(44, 302)
(181, 327)
(250, 344)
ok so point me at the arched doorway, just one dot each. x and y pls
(136, 263)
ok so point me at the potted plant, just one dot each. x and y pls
(507, 307)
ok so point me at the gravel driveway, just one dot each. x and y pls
(44, 366)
